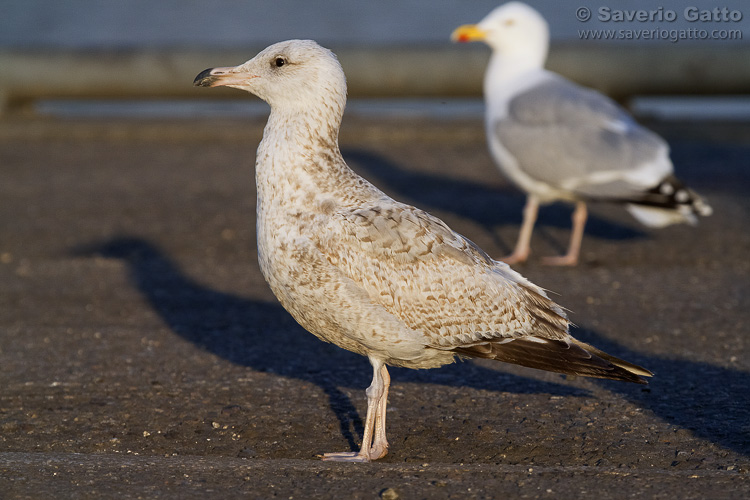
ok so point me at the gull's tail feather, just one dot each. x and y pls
(670, 202)
(569, 356)
(632, 368)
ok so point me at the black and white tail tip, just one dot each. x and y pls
(670, 202)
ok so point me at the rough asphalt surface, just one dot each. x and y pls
(143, 356)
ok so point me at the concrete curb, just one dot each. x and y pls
(427, 71)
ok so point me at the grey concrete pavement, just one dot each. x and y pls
(142, 355)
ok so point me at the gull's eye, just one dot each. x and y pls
(279, 62)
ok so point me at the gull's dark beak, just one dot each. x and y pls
(219, 77)
(204, 78)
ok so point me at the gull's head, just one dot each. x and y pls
(295, 74)
(513, 29)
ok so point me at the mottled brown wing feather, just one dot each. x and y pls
(436, 281)
(442, 285)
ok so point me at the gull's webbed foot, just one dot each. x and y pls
(515, 258)
(345, 456)
(562, 260)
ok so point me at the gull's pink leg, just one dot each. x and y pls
(576, 236)
(523, 245)
(380, 443)
(375, 394)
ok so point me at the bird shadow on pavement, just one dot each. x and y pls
(710, 401)
(486, 205)
(265, 338)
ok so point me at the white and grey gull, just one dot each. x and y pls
(372, 275)
(558, 141)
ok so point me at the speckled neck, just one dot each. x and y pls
(299, 159)
(292, 139)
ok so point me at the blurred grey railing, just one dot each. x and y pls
(451, 71)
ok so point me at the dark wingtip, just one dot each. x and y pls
(559, 356)
(204, 78)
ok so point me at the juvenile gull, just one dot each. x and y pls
(370, 274)
(559, 141)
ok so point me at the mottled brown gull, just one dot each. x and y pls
(370, 274)
(556, 140)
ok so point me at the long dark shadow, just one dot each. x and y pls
(265, 338)
(710, 401)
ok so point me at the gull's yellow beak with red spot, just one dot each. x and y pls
(468, 33)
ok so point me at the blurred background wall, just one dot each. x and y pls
(237, 23)
(143, 48)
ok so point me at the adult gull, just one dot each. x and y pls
(557, 140)
(370, 274)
